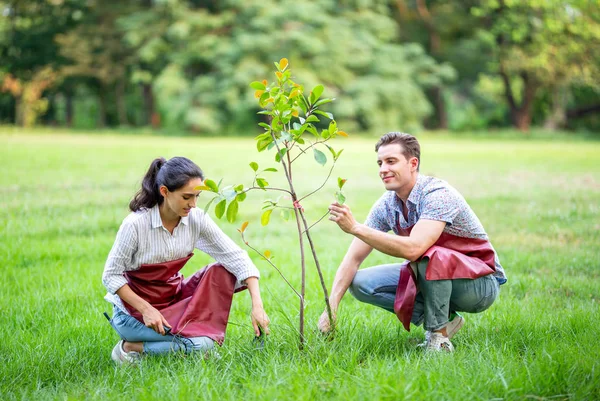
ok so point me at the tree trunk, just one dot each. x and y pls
(151, 117)
(435, 44)
(121, 104)
(439, 104)
(520, 114)
(69, 109)
(558, 115)
(19, 111)
(522, 119)
(101, 123)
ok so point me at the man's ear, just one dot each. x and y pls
(414, 163)
(163, 190)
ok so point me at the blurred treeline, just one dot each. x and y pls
(391, 64)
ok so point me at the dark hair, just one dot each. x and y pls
(173, 174)
(410, 144)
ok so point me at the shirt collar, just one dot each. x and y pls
(415, 194)
(156, 220)
(155, 217)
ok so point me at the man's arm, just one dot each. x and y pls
(356, 254)
(423, 235)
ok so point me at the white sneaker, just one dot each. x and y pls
(455, 324)
(439, 342)
(121, 357)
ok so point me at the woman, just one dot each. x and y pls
(155, 310)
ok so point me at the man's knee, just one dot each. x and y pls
(360, 287)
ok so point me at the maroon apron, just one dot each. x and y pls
(198, 306)
(451, 257)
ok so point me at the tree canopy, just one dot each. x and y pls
(392, 65)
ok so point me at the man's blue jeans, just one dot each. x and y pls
(132, 330)
(436, 299)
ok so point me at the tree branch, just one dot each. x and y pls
(271, 263)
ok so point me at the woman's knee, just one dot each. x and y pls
(200, 344)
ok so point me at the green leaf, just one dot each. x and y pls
(303, 103)
(285, 214)
(241, 197)
(220, 208)
(254, 166)
(338, 154)
(272, 169)
(232, 211)
(280, 154)
(238, 188)
(323, 113)
(261, 182)
(264, 125)
(312, 118)
(311, 128)
(209, 203)
(341, 182)
(263, 143)
(212, 185)
(323, 101)
(332, 151)
(332, 127)
(320, 157)
(315, 94)
(266, 216)
(340, 198)
(257, 85)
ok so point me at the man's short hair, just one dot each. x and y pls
(410, 144)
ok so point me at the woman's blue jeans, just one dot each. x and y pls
(132, 330)
(436, 299)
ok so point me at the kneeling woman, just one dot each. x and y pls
(156, 311)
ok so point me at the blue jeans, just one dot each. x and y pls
(132, 330)
(436, 299)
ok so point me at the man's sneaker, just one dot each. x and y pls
(455, 324)
(121, 357)
(439, 342)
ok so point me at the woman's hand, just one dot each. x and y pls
(155, 320)
(260, 318)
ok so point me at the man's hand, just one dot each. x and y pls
(260, 318)
(155, 320)
(324, 324)
(342, 215)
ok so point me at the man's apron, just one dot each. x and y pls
(198, 306)
(451, 257)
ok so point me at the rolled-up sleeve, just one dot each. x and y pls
(120, 257)
(217, 244)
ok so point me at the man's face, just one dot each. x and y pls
(395, 170)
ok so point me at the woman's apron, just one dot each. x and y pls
(198, 306)
(450, 257)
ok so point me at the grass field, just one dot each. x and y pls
(64, 197)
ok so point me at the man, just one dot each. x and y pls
(452, 266)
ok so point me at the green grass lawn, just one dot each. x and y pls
(64, 197)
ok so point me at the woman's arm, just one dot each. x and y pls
(120, 256)
(152, 317)
(259, 316)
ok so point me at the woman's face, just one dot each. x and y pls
(182, 200)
